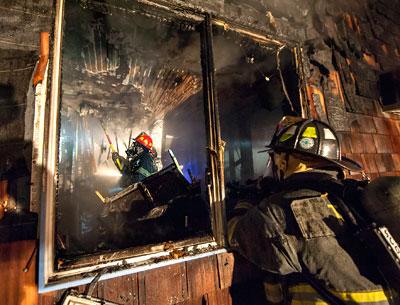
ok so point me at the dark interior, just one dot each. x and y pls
(128, 70)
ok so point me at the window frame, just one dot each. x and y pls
(130, 261)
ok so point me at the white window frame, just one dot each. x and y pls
(51, 279)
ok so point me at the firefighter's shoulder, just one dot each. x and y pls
(261, 233)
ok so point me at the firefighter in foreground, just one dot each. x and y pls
(139, 162)
(299, 235)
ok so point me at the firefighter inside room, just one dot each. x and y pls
(132, 150)
(132, 145)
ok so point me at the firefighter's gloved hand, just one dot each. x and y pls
(115, 156)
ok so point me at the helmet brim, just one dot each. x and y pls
(345, 162)
(348, 164)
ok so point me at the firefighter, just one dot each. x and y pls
(139, 162)
(299, 235)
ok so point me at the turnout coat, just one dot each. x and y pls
(300, 230)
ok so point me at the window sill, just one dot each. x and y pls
(128, 266)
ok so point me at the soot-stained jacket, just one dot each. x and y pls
(300, 230)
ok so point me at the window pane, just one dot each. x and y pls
(251, 100)
(126, 71)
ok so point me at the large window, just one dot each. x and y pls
(256, 84)
(123, 73)
(135, 167)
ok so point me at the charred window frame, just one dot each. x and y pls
(140, 259)
(258, 80)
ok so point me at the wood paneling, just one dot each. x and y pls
(368, 141)
(396, 161)
(50, 298)
(202, 276)
(226, 263)
(362, 123)
(218, 297)
(382, 126)
(17, 287)
(167, 285)
(120, 290)
(368, 161)
(204, 281)
(384, 163)
(383, 144)
(377, 139)
(396, 143)
(194, 282)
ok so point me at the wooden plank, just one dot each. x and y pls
(226, 264)
(128, 290)
(49, 298)
(10, 260)
(141, 287)
(18, 287)
(218, 297)
(110, 289)
(193, 301)
(121, 290)
(28, 279)
(165, 285)
(171, 284)
(202, 276)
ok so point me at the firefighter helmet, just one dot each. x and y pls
(145, 140)
(310, 138)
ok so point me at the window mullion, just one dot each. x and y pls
(215, 169)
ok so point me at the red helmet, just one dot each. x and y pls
(145, 140)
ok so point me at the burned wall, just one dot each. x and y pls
(348, 44)
(354, 45)
(20, 25)
(15, 73)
